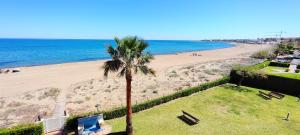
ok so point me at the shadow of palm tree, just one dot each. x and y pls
(237, 88)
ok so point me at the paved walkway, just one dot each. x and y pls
(57, 113)
(60, 106)
(292, 68)
(55, 133)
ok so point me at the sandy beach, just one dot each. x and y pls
(82, 83)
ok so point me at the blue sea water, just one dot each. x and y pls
(32, 52)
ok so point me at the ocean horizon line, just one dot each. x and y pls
(1, 38)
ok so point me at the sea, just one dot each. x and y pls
(34, 52)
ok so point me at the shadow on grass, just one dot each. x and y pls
(237, 88)
(118, 133)
(186, 120)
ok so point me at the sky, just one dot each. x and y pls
(149, 19)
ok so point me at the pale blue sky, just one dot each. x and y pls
(150, 19)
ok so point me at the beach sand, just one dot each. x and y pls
(84, 85)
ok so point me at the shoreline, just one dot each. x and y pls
(64, 74)
(233, 44)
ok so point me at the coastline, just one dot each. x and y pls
(232, 44)
(35, 90)
(185, 58)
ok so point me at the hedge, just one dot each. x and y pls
(280, 84)
(279, 64)
(29, 129)
(259, 65)
(271, 82)
(71, 123)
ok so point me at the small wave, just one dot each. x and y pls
(90, 59)
(7, 62)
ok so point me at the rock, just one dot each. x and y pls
(15, 70)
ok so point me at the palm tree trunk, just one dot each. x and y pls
(129, 129)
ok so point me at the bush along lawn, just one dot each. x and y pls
(29, 129)
(275, 78)
(222, 110)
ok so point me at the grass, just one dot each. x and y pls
(52, 92)
(225, 110)
(280, 71)
(258, 66)
(273, 69)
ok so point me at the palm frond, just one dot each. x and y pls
(118, 41)
(123, 71)
(131, 42)
(121, 50)
(146, 70)
(141, 46)
(112, 52)
(112, 65)
(145, 58)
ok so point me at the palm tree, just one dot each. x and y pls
(127, 58)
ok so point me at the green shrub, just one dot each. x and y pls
(268, 82)
(297, 70)
(298, 66)
(275, 83)
(264, 54)
(285, 48)
(29, 129)
(71, 123)
(258, 66)
(279, 64)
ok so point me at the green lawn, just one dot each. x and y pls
(280, 71)
(273, 69)
(224, 110)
